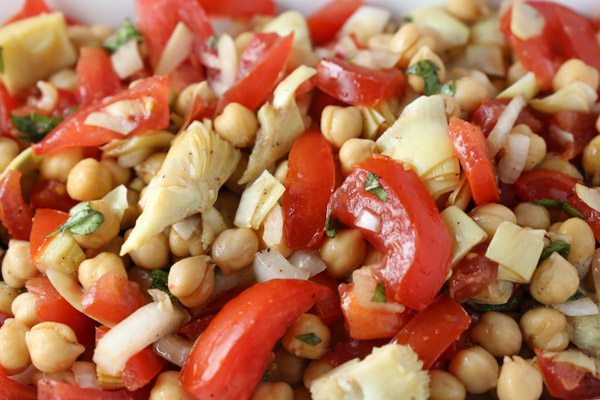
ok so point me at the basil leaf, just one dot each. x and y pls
(212, 41)
(559, 247)
(372, 186)
(332, 225)
(35, 126)
(124, 34)
(407, 19)
(265, 377)
(84, 222)
(494, 307)
(427, 70)
(160, 281)
(560, 205)
(1, 60)
(309, 338)
(379, 295)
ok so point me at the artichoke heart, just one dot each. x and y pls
(197, 165)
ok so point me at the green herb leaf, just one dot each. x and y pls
(372, 186)
(494, 307)
(559, 247)
(84, 222)
(1, 60)
(160, 281)
(265, 377)
(578, 295)
(427, 69)
(309, 338)
(124, 34)
(35, 126)
(212, 41)
(379, 295)
(332, 225)
(560, 205)
(407, 19)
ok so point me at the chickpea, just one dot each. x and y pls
(273, 391)
(498, 333)
(475, 368)
(53, 346)
(167, 387)
(270, 233)
(107, 231)
(490, 216)
(289, 367)
(132, 212)
(355, 151)
(9, 149)
(187, 95)
(555, 162)
(142, 277)
(532, 215)
(466, 10)
(120, 175)
(316, 333)
(65, 78)
(591, 159)
(16, 265)
(7, 296)
(545, 328)
(537, 146)
(404, 38)
(192, 280)
(234, 249)
(519, 380)
(373, 256)
(575, 70)
(232, 183)
(340, 124)
(343, 253)
(515, 72)
(14, 356)
(451, 105)
(24, 308)
(56, 166)
(227, 204)
(150, 166)
(416, 82)
(554, 281)
(92, 269)
(470, 93)
(114, 247)
(301, 393)
(154, 254)
(314, 370)
(445, 386)
(89, 180)
(582, 243)
(237, 125)
(281, 172)
(193, 246)
(410, 38)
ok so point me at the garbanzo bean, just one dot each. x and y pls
(7, 296)
(373, 256)
(537, 146)
(466, 10)
(167, 387)
(150, 166)
(575, 70)
(555, 162)
(24, 308)
(234, 249)
(14, 356)
(519, 380)
(301, 393)
(498, 333)
(273, 391)
(343, 253)
(232, 183)
(92, 269)
(308, 337)
(237, 125)
(355, 151)
(8, 150)
(470, 93)
(53, 346)
(314, 370)
(120, 175)
(545, 328)
(475, 368)
(132, 212)
(582, 243)
(445, 386)
(554, 281)
(193, 246)
(451, 106)
(56, 166)
(591, 159)
(289, 367)
(515, 72)
(192, 280)
(186, 96)
(16, 265)
(340, 124)
(89, 180)
(416, 82)
(65, 78)
(490, 216)
(154, 254)
(107, 231)
(532, 215)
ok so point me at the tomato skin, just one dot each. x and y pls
(581, 125)
(13, 390)
(31, 8)
(53, 195)
(329, 309)
(15, 213)
(472, 275)
(554, 185)
(73, 131)
(350, 349)
(325, 23)
(358, 85)
(96, 78)
(141, 368)
(45, 222)
(112, 298)
(409, 228)
(567, 381)
(476, 158)
(230, 357)
(487, 114)
(51, 389)
(309, 184)
(434, 329)
(238, 8)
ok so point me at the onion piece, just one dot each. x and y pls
(178, 48)
(270, 264)
(499, 134)
(590, 196)
(365, 285)
(578, 307)
(525, 21)
(85, 374)
(49, 98)
(366, 21)
(187, 226)
(117, 201)
(126, 61)
(117, 124)
(308, 261)
(513, 162)
(224, 282)
(576, 96)
(139, 330)
(173, 348)
(367, 220)
(228, 60)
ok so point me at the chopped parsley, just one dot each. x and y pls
(560, 205)
(379, 294)
(160, 281)
(332, 225)
(427, 70)
(309, 338)
(124, 34)
(34, 126)
(372, 186)
(559, 247)
(84, 222)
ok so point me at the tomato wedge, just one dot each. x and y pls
(150, 94)
(309, 184)
(487, 114)
(15, 213)
(406, 227)
(433, 330)
(581, 126)
(476, 158)
(567, 381)
(45, 222)
(230, 357)
(96, 78)
(51, 194)
(51, 389)
(238, 8)
(358, 85)
(328, 310)
(325, 23)
(31, 8)
(350, 349)
(472, 274)
(141, 368)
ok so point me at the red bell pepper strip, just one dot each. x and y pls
(408, 228)
(487, 114)
(567, 381)
(325, 23)
(96, 78)
(51, 389)
(46, 221)
(238, 8)
(309, 185)
(350, 349)
(15, 213)
(554, 185)
(152, 94)
(227, 362)
(329, 309)
(53, 195)
(356, 85)
(31, 8)
(430, 332)
(141, 368)
(13, 390)
(472, 274)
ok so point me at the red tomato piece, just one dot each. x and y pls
(431, 331)
(141, 368)
(567, 381)
(472, 275)
(4, 317)
(321, 100)
(476, 158)
(45, 222)
(487, 114)
(74, 132)
(41, 286)
(582, 127)
(217, 303)
(366, 324)
(15, 213)
(31, 8)
(230, 357)
(329, 309)
(13, 390)
(309, 184)
(53, 195)
(351, 349)
(96, 78)
(238, 8)
(59, 310)
(408, 227)
(51, 389)
(193, 330)
(325, 23)
(7, 105)
(112, 298)
(554, 185)
(356, 85)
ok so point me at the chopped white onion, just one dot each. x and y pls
(513, 162)
(270, 264)
(228, 61)
(224, 282)
(365, 285)
(525, 21)
(187, 226)
(367, 220)
(104, 120)
(25, 377)
(126, 61)
(85, 374)
(173, 348)
(364, 59)
(589, 196)
(578, 308)
(117, 201)
(367, 21)
(139, 330)
(499, 134)
(178, 48)
(309, 261)
(384, 58)
(49, 98)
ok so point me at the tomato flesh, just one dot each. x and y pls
(472, 274)
(45, 222)
(351, 349)
(51, 389)
(52, 195)
(325, 23)
(567, 381)
(13, 390)
(16, 215)
(238, 8)
(31, 8)
(96, 78)
(329, 309)
(141, 368)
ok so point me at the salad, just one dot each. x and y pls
(220, 201)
